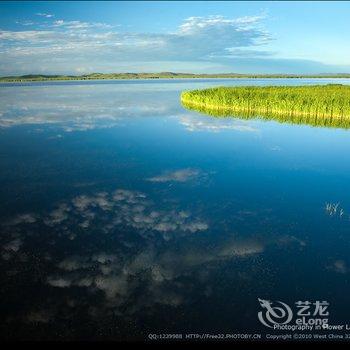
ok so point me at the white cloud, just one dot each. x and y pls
(13, 246)
(73, 109)
(46, 15)
(195, 123)
(207, 44)
(59, 282)
(26, 23)
(112, 286)
(122, 208)
(163, 272)
(39, 316)
(339, 266)
(74, 263)
(58, 215)
(195, 226)
(241, 248)
(30, 36)
(157, 272)
(197, 38)
(81, 25)
(200, 25)
(28, 218)
(181, 175)
(276, 148)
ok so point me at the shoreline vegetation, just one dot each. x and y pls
(162, 75)
(316, 105)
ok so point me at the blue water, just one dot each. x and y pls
(124, 214)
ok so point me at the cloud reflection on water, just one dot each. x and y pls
(78, 108)
(181, 175)
(152, 252)
(212, 124)
(97, 106)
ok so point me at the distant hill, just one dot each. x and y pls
(162, 75)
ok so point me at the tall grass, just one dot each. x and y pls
(325, 105)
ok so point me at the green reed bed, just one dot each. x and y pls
(319, 105)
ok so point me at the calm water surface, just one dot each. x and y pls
(124, 214)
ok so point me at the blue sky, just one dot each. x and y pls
(238, 36)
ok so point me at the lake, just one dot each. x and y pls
(125, 216)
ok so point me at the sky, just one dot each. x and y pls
(61, 37)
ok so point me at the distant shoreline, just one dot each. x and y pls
(151, 76)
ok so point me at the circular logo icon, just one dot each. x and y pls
(274, 313)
